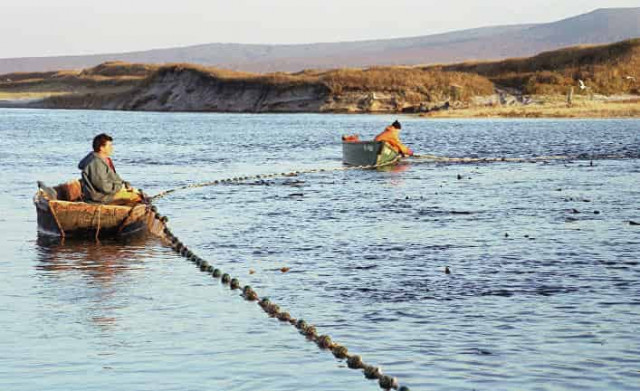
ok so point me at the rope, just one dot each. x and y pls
(52, 208)
(443, 159)
(324, 342)
(535, 159)
(98, 227)
(273, 310)
(127, 217)
(415, 159)
(266, 176)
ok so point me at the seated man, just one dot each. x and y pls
(100, 182)
(390, 135)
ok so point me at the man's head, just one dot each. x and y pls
(396, 125)
(102, 143)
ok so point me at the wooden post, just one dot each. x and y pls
(570, 97)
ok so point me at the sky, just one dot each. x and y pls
(36, 28)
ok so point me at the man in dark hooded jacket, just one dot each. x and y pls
(100, 181)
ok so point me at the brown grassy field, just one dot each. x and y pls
(112, 75)
(436, 84)
(604, 69)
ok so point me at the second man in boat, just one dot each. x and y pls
(391, 135)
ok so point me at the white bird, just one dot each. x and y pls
(629, 77)
(582, 86)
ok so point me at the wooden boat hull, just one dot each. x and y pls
(80, 219)
(368, 153)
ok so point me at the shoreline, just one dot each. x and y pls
(603, 111)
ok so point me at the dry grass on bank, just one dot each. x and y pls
(437, 84)
(555, 108)
(21, 96)
(605, 69)
(107, 76)
(112, 69)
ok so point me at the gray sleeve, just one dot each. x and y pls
(103, 179)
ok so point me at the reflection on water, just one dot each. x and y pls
(101, 267)
(100, 261)
(396, 168)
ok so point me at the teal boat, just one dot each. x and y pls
(368, 153)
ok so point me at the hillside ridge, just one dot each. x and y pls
(605, 25)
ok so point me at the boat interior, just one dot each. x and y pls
(69, 191)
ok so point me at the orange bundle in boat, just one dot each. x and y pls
(350, 138)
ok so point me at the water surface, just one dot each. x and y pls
(544, 292)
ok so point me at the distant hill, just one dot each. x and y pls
(488, 43)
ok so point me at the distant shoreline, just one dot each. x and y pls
(623, 106)
(579, 82)
(613, 111)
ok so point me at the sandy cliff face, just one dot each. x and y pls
(187, 90)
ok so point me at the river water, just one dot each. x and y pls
(544, 290)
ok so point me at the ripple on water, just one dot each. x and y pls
(533, 301)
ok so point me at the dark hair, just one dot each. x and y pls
(396, 124)
(100, 140)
